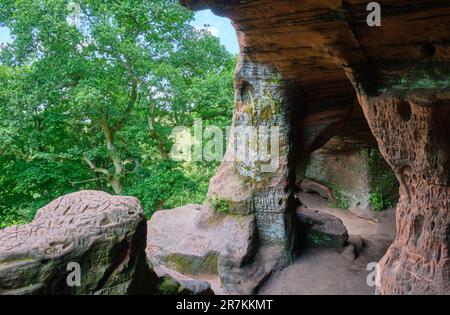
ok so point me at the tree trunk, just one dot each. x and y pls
(155, 136)
(114, 180)
(116, 185)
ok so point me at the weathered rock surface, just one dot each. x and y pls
(104, 234)
(351, 164)
(179, 284)
(414, 136)
(249, 181)
(247, 278)
(323, 229)
(310, 186)
(257, 233)
(356, 174)
(176, 239)
(339, 166)
(180, 242)
(358, 243)
(326, 57)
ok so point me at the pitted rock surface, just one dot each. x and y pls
(104, 234)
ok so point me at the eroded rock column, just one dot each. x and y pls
(253, 177)
(413, 133)
(245, 228)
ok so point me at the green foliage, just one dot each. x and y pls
(383, 182)
(92, 105)
(426, 74)
(340, 201)
(378, 202)
(318, 239)
(165, 185)
(29, 184)
(14, 216)
(220, 205)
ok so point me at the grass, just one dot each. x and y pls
(220, 205)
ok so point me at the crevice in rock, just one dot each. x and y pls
(404, 110)
(428, 50)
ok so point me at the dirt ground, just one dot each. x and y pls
(332, 271)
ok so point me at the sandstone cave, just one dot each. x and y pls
(348, 99)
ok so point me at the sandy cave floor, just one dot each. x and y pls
(332, 271)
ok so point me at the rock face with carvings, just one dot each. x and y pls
(303, 66)
(105, 235)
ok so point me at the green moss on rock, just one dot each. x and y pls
(192, 265)
(341, 201)
(413, 75)
(320, 240)
(168, 287)
(384, 185)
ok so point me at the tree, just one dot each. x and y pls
(99, 92)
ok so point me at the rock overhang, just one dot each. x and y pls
(330, 59)
(324, 43)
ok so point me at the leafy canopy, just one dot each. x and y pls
(89, 98)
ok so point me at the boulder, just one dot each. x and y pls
(247, 278)
(322, 229)
(358, 242)
(175, 283)
(102, 234)
(192, 250)
(310, 186)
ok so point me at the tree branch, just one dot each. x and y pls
(155, 136)
(133, 95)
(87, 181)
(96, 169)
